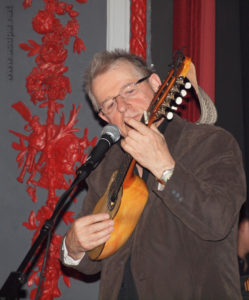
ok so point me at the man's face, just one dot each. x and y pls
(109, 84)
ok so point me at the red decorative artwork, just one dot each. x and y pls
(48, 150)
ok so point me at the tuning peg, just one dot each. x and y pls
(178, 100)
(170, 115)
(183, 93)
(184, 82)
(187, 84)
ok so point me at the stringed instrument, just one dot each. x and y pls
(127, 193)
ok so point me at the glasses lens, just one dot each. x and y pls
(129, 91)
(108, 106)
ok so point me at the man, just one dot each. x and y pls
(184, 245)
(243, 250)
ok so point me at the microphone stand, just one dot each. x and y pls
(12, 286)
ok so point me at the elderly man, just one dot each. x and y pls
(184, 245)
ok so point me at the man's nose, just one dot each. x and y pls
(121, 104)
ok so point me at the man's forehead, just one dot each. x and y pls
(109, 83)
(120, 74)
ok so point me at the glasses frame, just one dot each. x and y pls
(119, 95)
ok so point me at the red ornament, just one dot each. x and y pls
(27, 3)
(78, 46)
(138, 43)
(53, 51)
(43, 22)
(49, 150)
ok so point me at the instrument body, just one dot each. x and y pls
(127, 194)
(126, 214)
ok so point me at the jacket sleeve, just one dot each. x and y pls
(208, 186)
(97, 183)
(86, 265)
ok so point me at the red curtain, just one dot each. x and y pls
(194, 30)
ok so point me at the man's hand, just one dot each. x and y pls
(148, 147)
(87, 233)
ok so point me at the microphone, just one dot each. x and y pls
(109, 135)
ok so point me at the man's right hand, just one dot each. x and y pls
(87, 233)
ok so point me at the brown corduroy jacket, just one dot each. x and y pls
(184, 246)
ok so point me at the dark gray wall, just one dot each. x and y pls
(228, 90)
(161, 35)
(231, 76)
(15, 204)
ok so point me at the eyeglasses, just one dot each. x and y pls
(109, 105)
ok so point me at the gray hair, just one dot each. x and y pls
(104, 61)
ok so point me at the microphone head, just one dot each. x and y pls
(113, 131)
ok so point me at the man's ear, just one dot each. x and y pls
(103, 117)
(155, 81)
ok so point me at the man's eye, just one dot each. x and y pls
(109, 105)
(129, 91)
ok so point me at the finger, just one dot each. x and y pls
(138, 126)
(97, 238)
(91, 219)
(142, 131)
(95, 243)
(154, 128)
(131, 145)
(126, 146)
(100, 226)
(134, 134)
(83, 237)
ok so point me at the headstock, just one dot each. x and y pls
(171, 93)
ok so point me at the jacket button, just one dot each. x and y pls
(173, 192)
